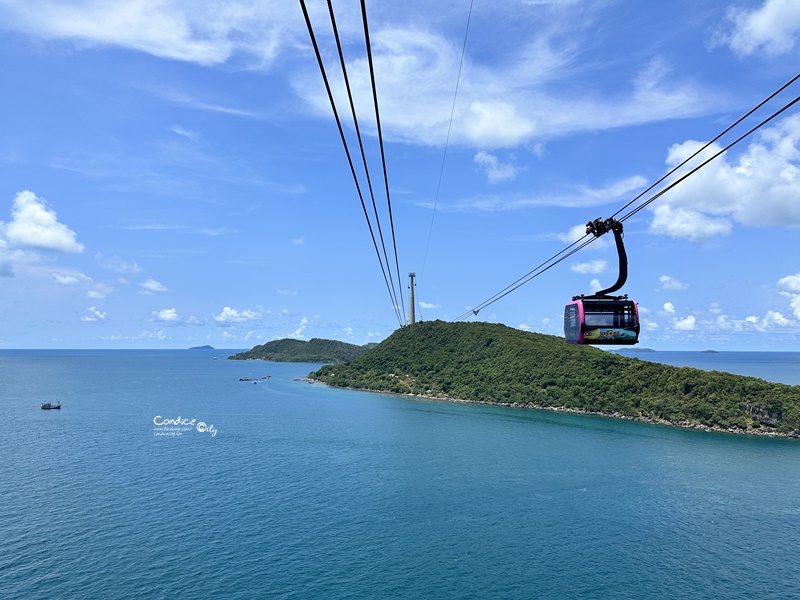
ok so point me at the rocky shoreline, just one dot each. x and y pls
(565, 409)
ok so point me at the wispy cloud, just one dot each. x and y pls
(575, 196)
(494, 170)
(71, 278)
(207, 35)
(151, 286)
(116, 264)
(153, 227)
(190, 135)
(218, 231)
(770, 29)
(186, 100)
(592, 267)
(670, 283)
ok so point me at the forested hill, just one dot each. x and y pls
(314, 351)
(483, 362)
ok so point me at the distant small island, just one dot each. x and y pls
(494, 364)
(201, 348)
(315, 350)
(709, 352)
(631, 350)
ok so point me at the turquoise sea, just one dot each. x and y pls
(164, 476)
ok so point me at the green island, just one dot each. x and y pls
(314, 350)
(494, 364)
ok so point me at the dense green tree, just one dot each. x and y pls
(486, 362)
(314, 351)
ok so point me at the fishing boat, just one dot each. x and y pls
(50, 405)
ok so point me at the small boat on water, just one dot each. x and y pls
(50, 405)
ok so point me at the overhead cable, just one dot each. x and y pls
(554, 260)
(380, 142)
(392, 288)
(349, 158)
(447, 139)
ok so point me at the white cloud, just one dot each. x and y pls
(231, 315)
(595, 285)
(504, 99)
(428, 305)
(794, 304)
(670, 283)
(759, 188)
(578, 232)
(494, 170)
(169, 315)
(298, 241)
(93, 315)
(789, 286)
(207, 33)
(35, 225)
(686, 324)
(776, 318)
(772, 28)
(790, 283)
(681, 223)
(151, 285)
(715, 322)
(298, 333)
(502, 102)
(592, 267)
(70, 278)
(99, 291)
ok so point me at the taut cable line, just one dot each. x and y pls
(349, 159)
(554, 260)
(393, 289)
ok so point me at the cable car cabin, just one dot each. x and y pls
(604, 320)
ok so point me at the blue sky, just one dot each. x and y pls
(171, 174)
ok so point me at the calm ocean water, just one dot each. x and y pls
(294, 490)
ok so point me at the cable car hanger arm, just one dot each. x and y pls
(598, 227)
